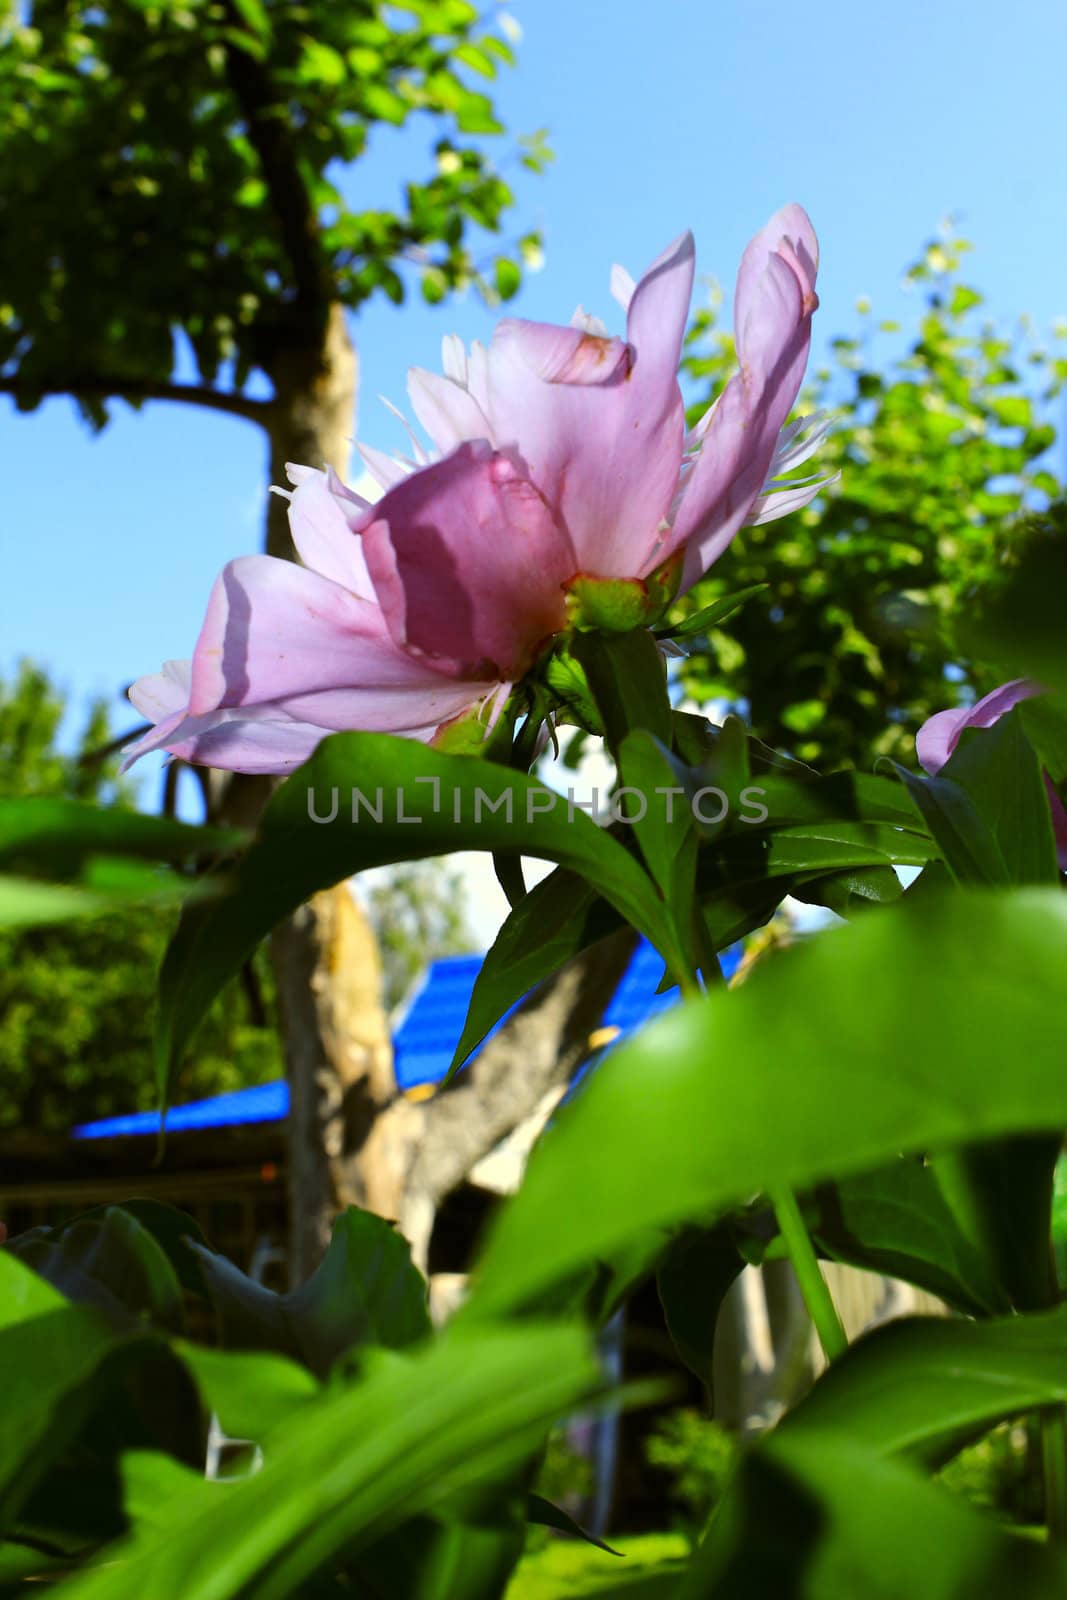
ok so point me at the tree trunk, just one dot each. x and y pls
(313, 417)
(352, 1139)
(335, 1032)
(339, 1062)
(516, 1079)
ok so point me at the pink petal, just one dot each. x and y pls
(446, 410)
(938, 737)
(600, 430)
(253, 739)
(278, 735)
(161, 694)
(992, 706)
(789, 235)
(240, 744)
(940, 734)
(323, 517)
(468, 564)
(563, 355)
(425, 701)
(774, 300)
(277, 632)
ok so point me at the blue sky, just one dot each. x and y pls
(879, 119)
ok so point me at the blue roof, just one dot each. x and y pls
(423, 1044)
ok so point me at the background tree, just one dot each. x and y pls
(853, 644)
(177, 167)
(419, 913)
(77, 1000)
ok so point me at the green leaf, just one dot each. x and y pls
(817, 1517)
(543, 1513)
(742, 1081)
(19, 1563)
(444, 1557)
(922, 1386)
(251, 1392)
(1012, 410)
(628, 679)
(693, 1278)
(999, 770)
(321, 63)
(106, 851)
(559, 918)
(793, 797)
(111, 1261)
(1045, 723)
(171, 1229)
(59, 1367)
(23, 1293)
(662, 821)
(1021, 627)
(27, 903)
(1001, 1194)
(343, 1471)
(754, 853)
(967, 846)
(365, 1291)
(897, 1221)
(57, 837)
(428, 803)
(709, 616)
(850, 891)
(508, 277)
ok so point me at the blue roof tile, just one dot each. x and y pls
(423, 1044)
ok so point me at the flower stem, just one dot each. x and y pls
(816, 1295)
(1054, 1464)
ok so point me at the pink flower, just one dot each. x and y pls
(940, 734)
(560, 460)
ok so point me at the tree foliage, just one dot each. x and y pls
(77, 1000)
(940, 450)
(179, 164)
(418, 912)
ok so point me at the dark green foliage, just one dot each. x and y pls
(179, 165)
(699, 1457)
(77, 995)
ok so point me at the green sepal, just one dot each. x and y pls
(618, 605)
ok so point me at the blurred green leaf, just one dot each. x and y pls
(250, 1392)
(545, 1514)
(815, 1516)
(23, 1292)
(108, 1260)
(693, 1277)
(343, 1471)
(749, 1076)
(897, 1221)
(923, 1386)
(365, 1291)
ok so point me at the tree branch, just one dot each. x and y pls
(434, 1146)
(134, 390)
(269, 135)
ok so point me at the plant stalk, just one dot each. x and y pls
(816, 1295)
